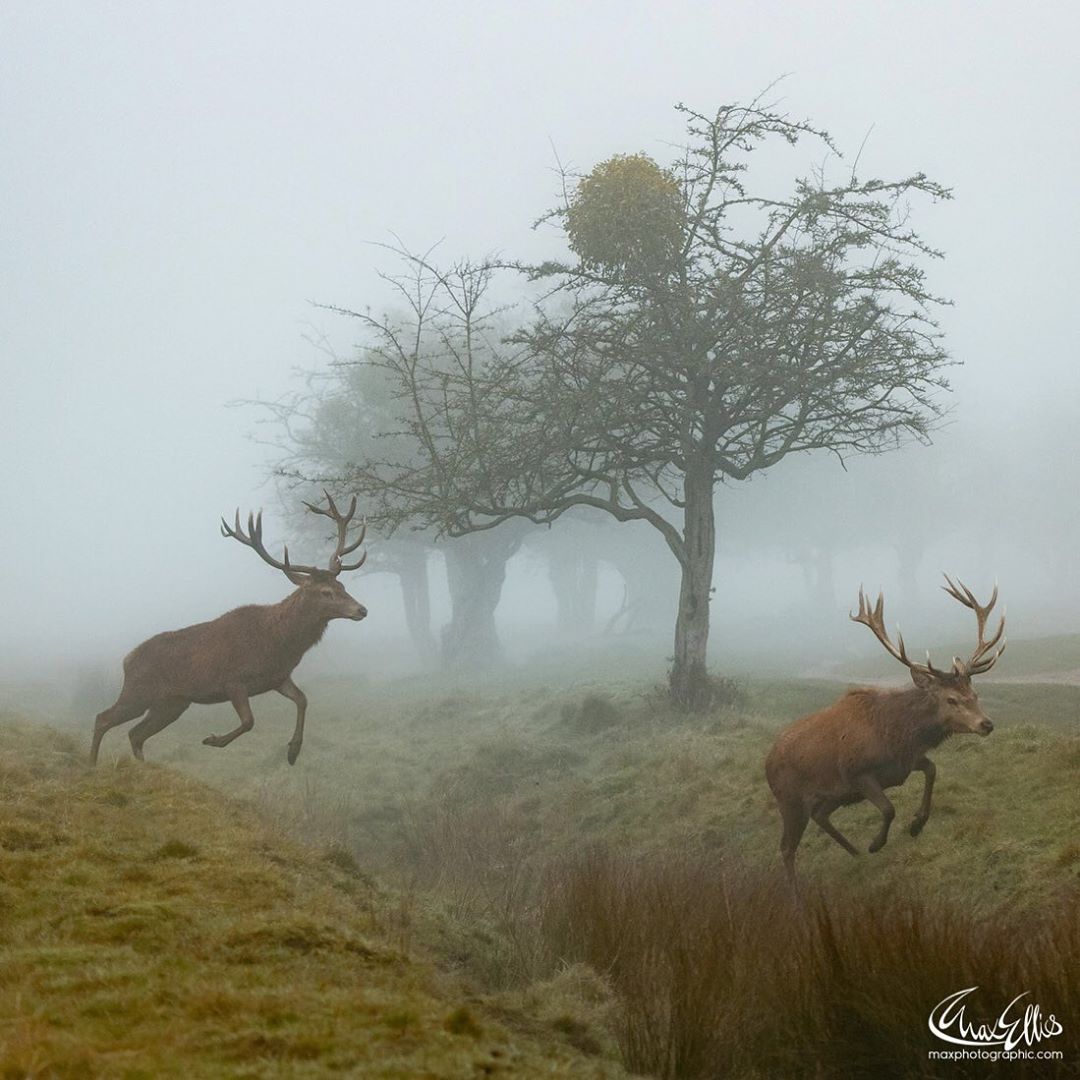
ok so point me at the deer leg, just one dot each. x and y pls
(293, 692)
(119, 713)
(869, 786)
(158, 718)
(795, 817)
(242, 706)
(820, 814)
(929, 771)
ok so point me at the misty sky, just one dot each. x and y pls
(180, 180)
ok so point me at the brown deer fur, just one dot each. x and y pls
(247, 651)
(874, 739)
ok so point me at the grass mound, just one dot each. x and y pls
(150, 926)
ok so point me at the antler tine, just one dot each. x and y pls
(342, 521)
(979, 663)
(354, 566)
(331, 509)
(253, 539)
(875, 619)
(236, 531)
(983, 665)
(347, 549)
(338, 515)
(358, 541)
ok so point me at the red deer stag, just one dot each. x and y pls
(244, 652)
(871, 739)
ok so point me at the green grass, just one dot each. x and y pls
(152, 927)
(411, 784)
(464, 800)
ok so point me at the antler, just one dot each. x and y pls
(875, 619)
(253, 539)
(980, 661)
(342, 520)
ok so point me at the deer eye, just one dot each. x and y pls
(952, 701)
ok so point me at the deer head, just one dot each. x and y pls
(955, 698)
(319, 588)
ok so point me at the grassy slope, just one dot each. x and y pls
(152, 927)
(408, 778)
(466, 797)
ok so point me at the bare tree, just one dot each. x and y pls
(336, 418)
(702, 332)
(378, 422)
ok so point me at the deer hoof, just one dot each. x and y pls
(293, 754)
(877, 844)
(212, 740)
(916, 826)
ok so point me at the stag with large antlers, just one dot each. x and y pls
(874, 739)
(244, 652)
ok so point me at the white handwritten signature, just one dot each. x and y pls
(948, 1022)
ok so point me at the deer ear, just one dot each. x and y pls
(922, 678)
(297, 578)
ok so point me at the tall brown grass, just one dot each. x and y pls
(722, 973)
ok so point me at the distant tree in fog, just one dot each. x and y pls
(351, 431)
(337, 418)
(570, 554)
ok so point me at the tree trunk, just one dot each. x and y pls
(643, 561)
(412, 570)
(475, 571)
(573, 576)
(689, 680)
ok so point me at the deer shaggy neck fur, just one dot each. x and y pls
(904, 719)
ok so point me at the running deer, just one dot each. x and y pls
(247, 651)
(872, 739)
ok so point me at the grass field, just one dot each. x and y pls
(497, 817)
(392, 772)
(152, 927)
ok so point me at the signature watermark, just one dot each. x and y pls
(1012, 1035)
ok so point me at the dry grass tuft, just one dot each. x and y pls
(462, 1022)
(719, 972)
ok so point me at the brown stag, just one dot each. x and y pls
(247, 651)
(874, 739)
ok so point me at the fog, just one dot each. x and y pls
(182, 181)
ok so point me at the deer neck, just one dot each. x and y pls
(915, 715)
(299, 626)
